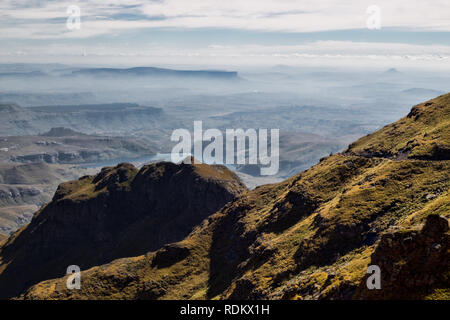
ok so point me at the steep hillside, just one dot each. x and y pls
(313, 235)
(120, 212)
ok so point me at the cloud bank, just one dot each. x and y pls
(38, 27)
(46, 19)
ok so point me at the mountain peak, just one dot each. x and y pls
(392, 71)
(120, 212)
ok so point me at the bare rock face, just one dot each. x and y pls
(120, 212)
(435, 225)
(413, 264)
(169, 254)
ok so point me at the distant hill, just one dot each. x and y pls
(423, 92)
(61, 132)
(392, 71)
(37, 98)
(385, 201)
(22, 74)
(63, 145)
(114, 118)
(157, 72)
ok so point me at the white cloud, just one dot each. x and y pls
(39, 19)
(33, 17)
(319, 53)
(299, 16)
(317, 49)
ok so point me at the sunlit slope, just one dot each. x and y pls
(423, 134)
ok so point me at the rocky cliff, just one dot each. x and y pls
(120, 212)
(413, 262)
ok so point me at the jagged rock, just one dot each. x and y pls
(412, 263)
(435, 225)
(169, 254)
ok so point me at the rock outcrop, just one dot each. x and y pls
(120, 212)
(414, 264)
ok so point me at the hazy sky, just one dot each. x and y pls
(228, 32)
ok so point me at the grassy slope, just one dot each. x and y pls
(308, 237)
(423, 134)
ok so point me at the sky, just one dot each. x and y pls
(225, 33)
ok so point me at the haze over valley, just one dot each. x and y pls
(74, 119)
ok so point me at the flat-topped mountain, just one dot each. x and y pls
(120, 212)
(157, 72)
(384, 201)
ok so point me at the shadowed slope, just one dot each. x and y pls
(117, 213)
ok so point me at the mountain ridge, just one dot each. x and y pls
(311, 236)
(118, 212)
